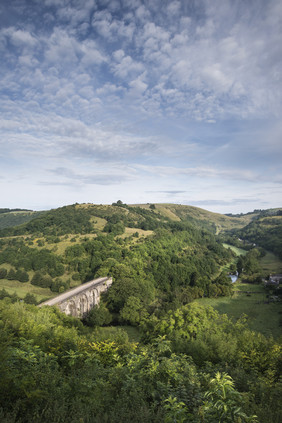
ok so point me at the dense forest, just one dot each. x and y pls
(149, 352)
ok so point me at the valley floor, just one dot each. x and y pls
(250, 299)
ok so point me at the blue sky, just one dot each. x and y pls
(142, 101)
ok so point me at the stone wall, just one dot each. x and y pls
(80, 300)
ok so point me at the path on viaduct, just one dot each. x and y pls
(78, 301)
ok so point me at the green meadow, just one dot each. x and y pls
(236, 250)
(262, 316)
(21, 289)
(270, 263)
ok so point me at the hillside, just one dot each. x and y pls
(214, 222)
(64, 247)
(265, 231)
(15, 217)
(178, 246)
(149, 353)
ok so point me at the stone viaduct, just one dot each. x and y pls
(78, 301)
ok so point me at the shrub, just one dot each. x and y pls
(3, 273)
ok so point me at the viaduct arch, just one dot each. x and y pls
(78, 301)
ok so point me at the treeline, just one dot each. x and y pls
(193, 365)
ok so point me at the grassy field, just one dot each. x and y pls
(141, 233)
(271, 263)
(236, 250)
(262, 317)
(21, 289)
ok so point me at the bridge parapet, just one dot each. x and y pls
(78, 301)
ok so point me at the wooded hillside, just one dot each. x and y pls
(148, 353)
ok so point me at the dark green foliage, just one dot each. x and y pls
(54, 370)
(32, 259)
(22, 276)
(98, 316)
(58, 285)
(65, 220)
(74, 251)
(4, 294)
(11, 274)
(30, 299)
(249, 264)
(3, 273)
(42, 280)
(115, 228)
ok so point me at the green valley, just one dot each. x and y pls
(168, 337)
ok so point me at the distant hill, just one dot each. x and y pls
(214, 222)
(265, 231)
(79, 218)
(15, 217)
(5, 210)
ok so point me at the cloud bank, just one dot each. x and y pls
(140, 96)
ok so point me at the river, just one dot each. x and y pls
(233, 278)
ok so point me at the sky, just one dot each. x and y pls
(143, 101)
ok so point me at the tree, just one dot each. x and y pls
(3, 273)
(30, 299)
(115, 228)
(223, 403)
(41, 280)
(22, 276)
(134, 311)
(11, 274)
(98, 316)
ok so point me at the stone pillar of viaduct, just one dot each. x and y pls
(80, 300)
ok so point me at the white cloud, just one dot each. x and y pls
(202, 172)
(22, 38)
(138, 82)
(126, 66)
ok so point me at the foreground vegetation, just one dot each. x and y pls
(194, 365)
(154, 350)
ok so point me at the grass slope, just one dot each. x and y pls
(262, 317)
(270, 263)
(21, 289)
(236, 250)
(213, 221)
